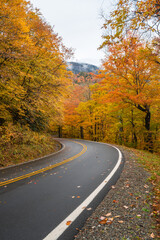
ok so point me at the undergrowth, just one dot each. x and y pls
(20, 144)
(151, 162)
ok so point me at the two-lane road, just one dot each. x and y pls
(49, 198)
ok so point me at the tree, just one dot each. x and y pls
(79, 94)
(33, 74)
(131, 78)
(71, 119)
(132, 15)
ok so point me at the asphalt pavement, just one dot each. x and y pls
(51, 198)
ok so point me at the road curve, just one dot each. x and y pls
(50, 198)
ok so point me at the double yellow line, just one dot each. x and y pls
(46, 168)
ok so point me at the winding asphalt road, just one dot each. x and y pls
(52, 197)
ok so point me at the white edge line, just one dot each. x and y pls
(57, 232)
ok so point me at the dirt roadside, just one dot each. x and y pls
(125, 213)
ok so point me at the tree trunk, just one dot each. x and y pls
(81, 132)
(59, 131)
(103, 136)
(134, 137)
(148, 135)
(147, 119)
(95, 131)
(121, 131)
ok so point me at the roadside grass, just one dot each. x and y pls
(151, 162)
(25, 146)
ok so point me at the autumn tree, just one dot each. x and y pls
(71, 119)
(79, 93)
(131, 15)
(131, 78)
(33, 78)
(33, 70)
(46, 77)
(14, 44)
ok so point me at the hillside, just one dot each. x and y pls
(76, 67)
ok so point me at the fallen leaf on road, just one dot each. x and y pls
(108, 214)
(117, 216)
(125, 207)
(133, 205)
(102, 218)
(103, 221)
(89, 209)
(127, 185)
(113, 187)
(131, 194)
(120, 221)
(115, 201)
(68, 223)
(152, 235)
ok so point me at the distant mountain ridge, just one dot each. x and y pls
(76, 67)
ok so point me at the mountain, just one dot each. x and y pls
(76, 67)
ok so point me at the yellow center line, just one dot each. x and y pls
(46, 168)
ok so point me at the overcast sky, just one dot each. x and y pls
(79, 24)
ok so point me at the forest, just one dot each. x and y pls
(120, 104)
(40, 98)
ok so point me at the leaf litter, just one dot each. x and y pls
(120, 214)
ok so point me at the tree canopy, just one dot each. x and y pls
(33, 70)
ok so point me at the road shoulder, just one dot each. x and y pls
(125, 213)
